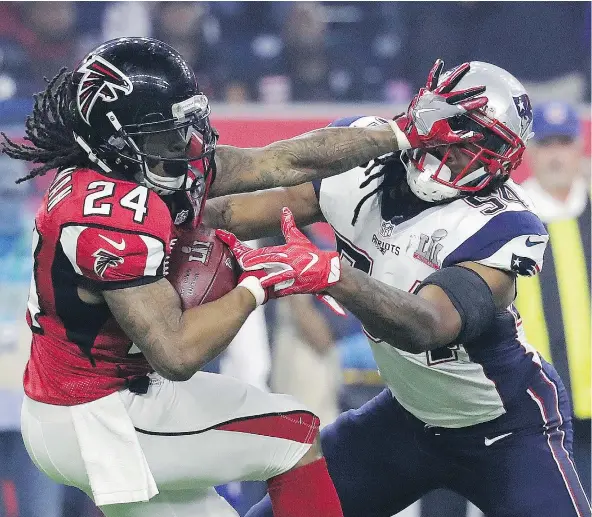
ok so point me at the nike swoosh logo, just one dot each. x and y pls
(120, 246)
(489, 441)
(530, 244)
(313, 261)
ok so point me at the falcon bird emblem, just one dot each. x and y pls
(105, 259)
(100, 80)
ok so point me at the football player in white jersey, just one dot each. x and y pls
(431, 242)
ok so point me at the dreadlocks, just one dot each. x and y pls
(369, 177)
(49, 128)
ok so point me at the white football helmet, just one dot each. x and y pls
(505, 123)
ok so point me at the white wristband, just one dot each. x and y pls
(402, 140)
(253, 285)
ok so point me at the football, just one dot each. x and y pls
(201, 267)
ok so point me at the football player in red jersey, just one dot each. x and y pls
(129, 133)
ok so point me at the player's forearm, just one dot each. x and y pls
(315, 155)
(176, 343)
(326, 152)
(256, 215)
(248, 216)
(207, 330)
(403, 320)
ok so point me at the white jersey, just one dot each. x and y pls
(400, 240)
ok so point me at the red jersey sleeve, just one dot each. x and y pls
(119, 250)
(110, 258)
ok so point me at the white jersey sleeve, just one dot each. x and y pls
(501, 232)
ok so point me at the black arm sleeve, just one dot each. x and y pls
(471, 297)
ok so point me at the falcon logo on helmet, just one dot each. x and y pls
(101, 80)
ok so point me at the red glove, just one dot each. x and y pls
(426, 122)
(260, 281)
(296, 267)
(270, 292)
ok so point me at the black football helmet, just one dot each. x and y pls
(137, 107)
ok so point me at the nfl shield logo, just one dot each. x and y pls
(386, 228)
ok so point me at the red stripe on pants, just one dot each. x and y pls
(300, 426)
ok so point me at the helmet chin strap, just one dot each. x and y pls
(475, 175)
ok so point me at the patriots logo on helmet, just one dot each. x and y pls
(524, 108)
(101, 80)
(105, 259)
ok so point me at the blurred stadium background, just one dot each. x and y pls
(271, 70)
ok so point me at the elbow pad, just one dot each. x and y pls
(471, 297)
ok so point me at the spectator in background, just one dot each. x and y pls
(360, 380)
(360, 377)
(305, 360)
(306, 53)
(509, 35)
(24, 490)
(120, 19)
(375, 33)
(304, 61)
(557, 186)
(47, 33)
(309, 51)
(555, 306)
(189, 28)
(15, 75)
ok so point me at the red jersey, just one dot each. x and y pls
(100, 233)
